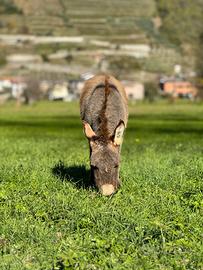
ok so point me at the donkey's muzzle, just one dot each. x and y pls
(107, 189)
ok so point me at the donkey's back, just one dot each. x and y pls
(103, 104)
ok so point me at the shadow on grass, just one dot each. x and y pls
(78, 175)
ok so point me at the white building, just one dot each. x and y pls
(23, 58)
(60, 92)
(134, 90)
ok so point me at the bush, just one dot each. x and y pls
(151, 91)
(123, 64)
(2, 59)
(8, 7)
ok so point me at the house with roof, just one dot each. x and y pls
(178, 88)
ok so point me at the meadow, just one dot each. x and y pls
(51, 218)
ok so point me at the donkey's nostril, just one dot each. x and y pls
(107, 189)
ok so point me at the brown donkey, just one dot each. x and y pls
(104, 112)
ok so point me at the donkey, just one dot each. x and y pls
(104, 113)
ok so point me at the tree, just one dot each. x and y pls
(181, 19)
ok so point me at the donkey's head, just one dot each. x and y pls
(105, 158)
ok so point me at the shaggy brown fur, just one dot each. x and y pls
(104, 112)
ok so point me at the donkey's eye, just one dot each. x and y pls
(116, 166)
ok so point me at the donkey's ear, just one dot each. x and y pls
(89, 133)
(118, 134)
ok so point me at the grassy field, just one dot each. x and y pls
(51, 219)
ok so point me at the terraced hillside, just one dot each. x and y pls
(60, 17)
(179, 21)
(171, 29)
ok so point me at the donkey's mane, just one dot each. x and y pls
(103, 132)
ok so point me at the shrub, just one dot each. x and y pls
(151, 91)
(8, 7)
(2, 59)
(123, 64)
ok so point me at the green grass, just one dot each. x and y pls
(51, 219)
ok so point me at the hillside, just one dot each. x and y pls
(180, 20)
(171, 29)
(60, 17)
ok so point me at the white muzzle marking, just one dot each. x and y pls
(107, 189)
